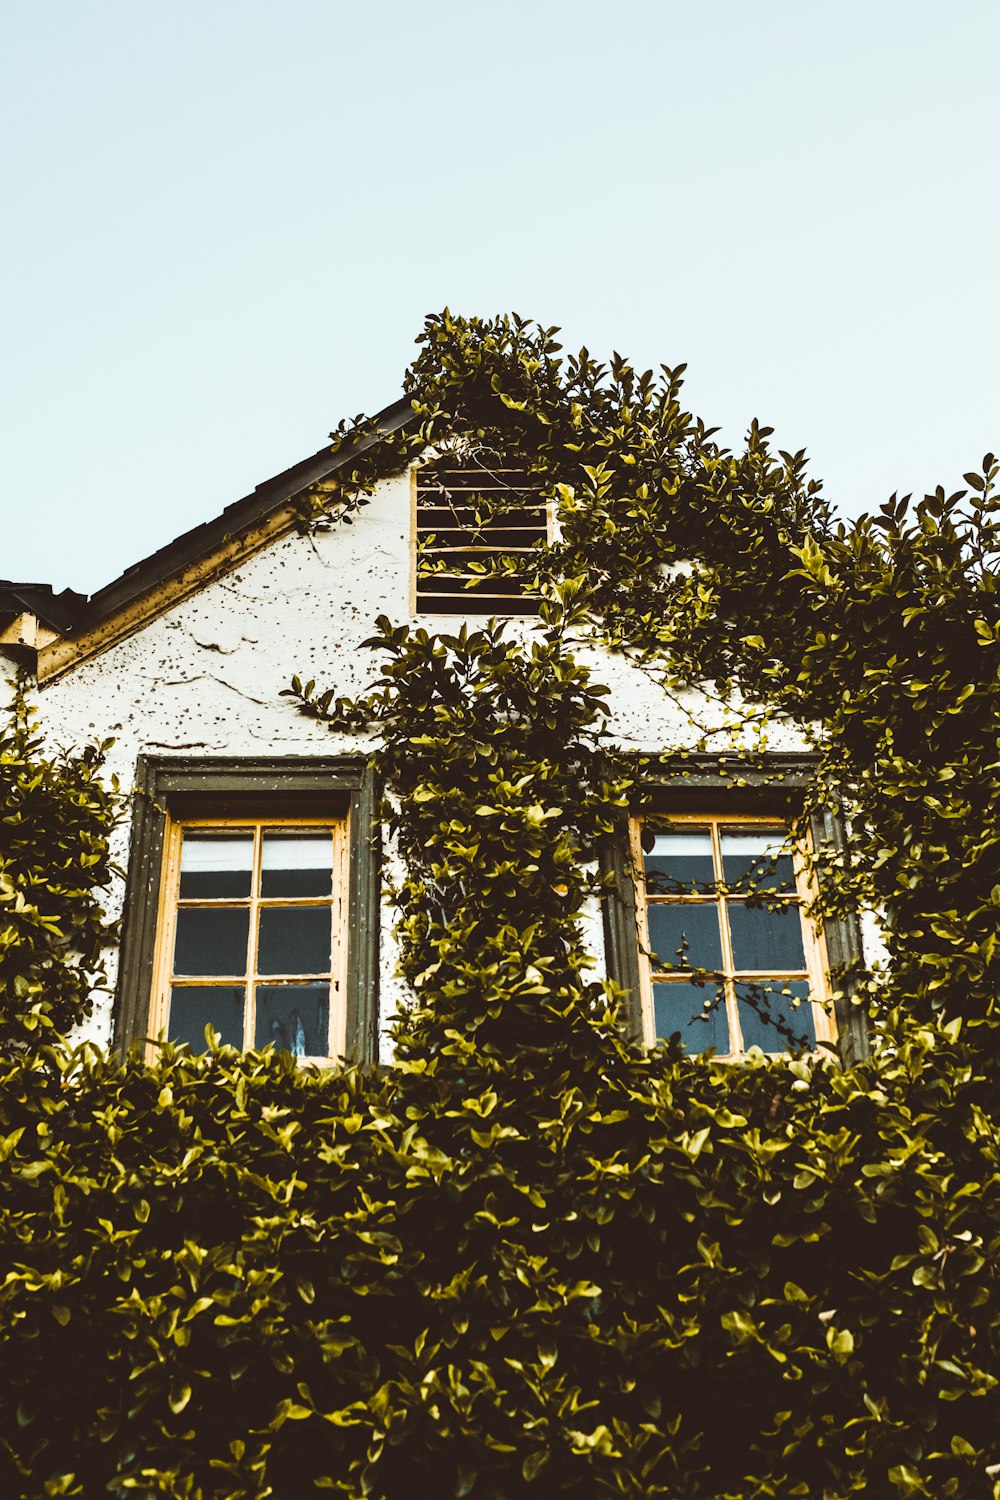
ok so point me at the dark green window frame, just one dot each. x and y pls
(171, 787)
(727, 785)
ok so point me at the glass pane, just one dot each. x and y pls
(192, 1007)
(678, 863)
(766, 938)
(685, 936)
(771, 1019)
(214, 865)
(294, 1017)
(212, 940)
(697, 1011)
(294, 940)
(296, 864)
(752, 861)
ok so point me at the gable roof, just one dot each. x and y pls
(78, 627)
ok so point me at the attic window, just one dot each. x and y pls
(470, 516)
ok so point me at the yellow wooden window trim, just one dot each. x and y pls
(169, 900)
(817, 968)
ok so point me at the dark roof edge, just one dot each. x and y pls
(57, 611)
(267, 497)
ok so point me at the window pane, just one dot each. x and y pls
(295, 864)
(768, 938)
(770, 1017)
(294, 940)
(212, 940)
(752, 862)
(697, 1011)
(678, 863)
(294, 1017)
(192, 1007)
(685, 936)
(215, 865)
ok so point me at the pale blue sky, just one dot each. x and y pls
(224, 220)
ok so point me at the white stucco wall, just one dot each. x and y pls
(205, 678)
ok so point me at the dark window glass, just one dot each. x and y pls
(295, 1018)
(697, 1011)
(752, 861)
(685, 936)
(211, 940)
(215, 865)
(678, 863)
(294, 940)
(770, 1018)
(294, 864)
(193, 1007)
(766, 938)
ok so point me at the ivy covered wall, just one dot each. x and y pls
(533, 1257)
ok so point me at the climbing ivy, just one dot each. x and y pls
(534, 1257)
(55, 818)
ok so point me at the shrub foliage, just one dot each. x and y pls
(55, 819)
(533, 1257)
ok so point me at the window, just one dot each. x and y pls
(728, 959)
(704, 923)
(253, 906)
(468, 512)
(250, 936)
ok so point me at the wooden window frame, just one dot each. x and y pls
(815, 968)
(171, 902)
(281, 791)
(732, 791)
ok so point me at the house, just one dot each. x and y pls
(253, 898)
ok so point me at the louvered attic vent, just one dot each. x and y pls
(467, 516)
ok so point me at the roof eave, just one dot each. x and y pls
(198, 556)
(240, 517)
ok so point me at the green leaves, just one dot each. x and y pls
(533, 1254)
(56, 816)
